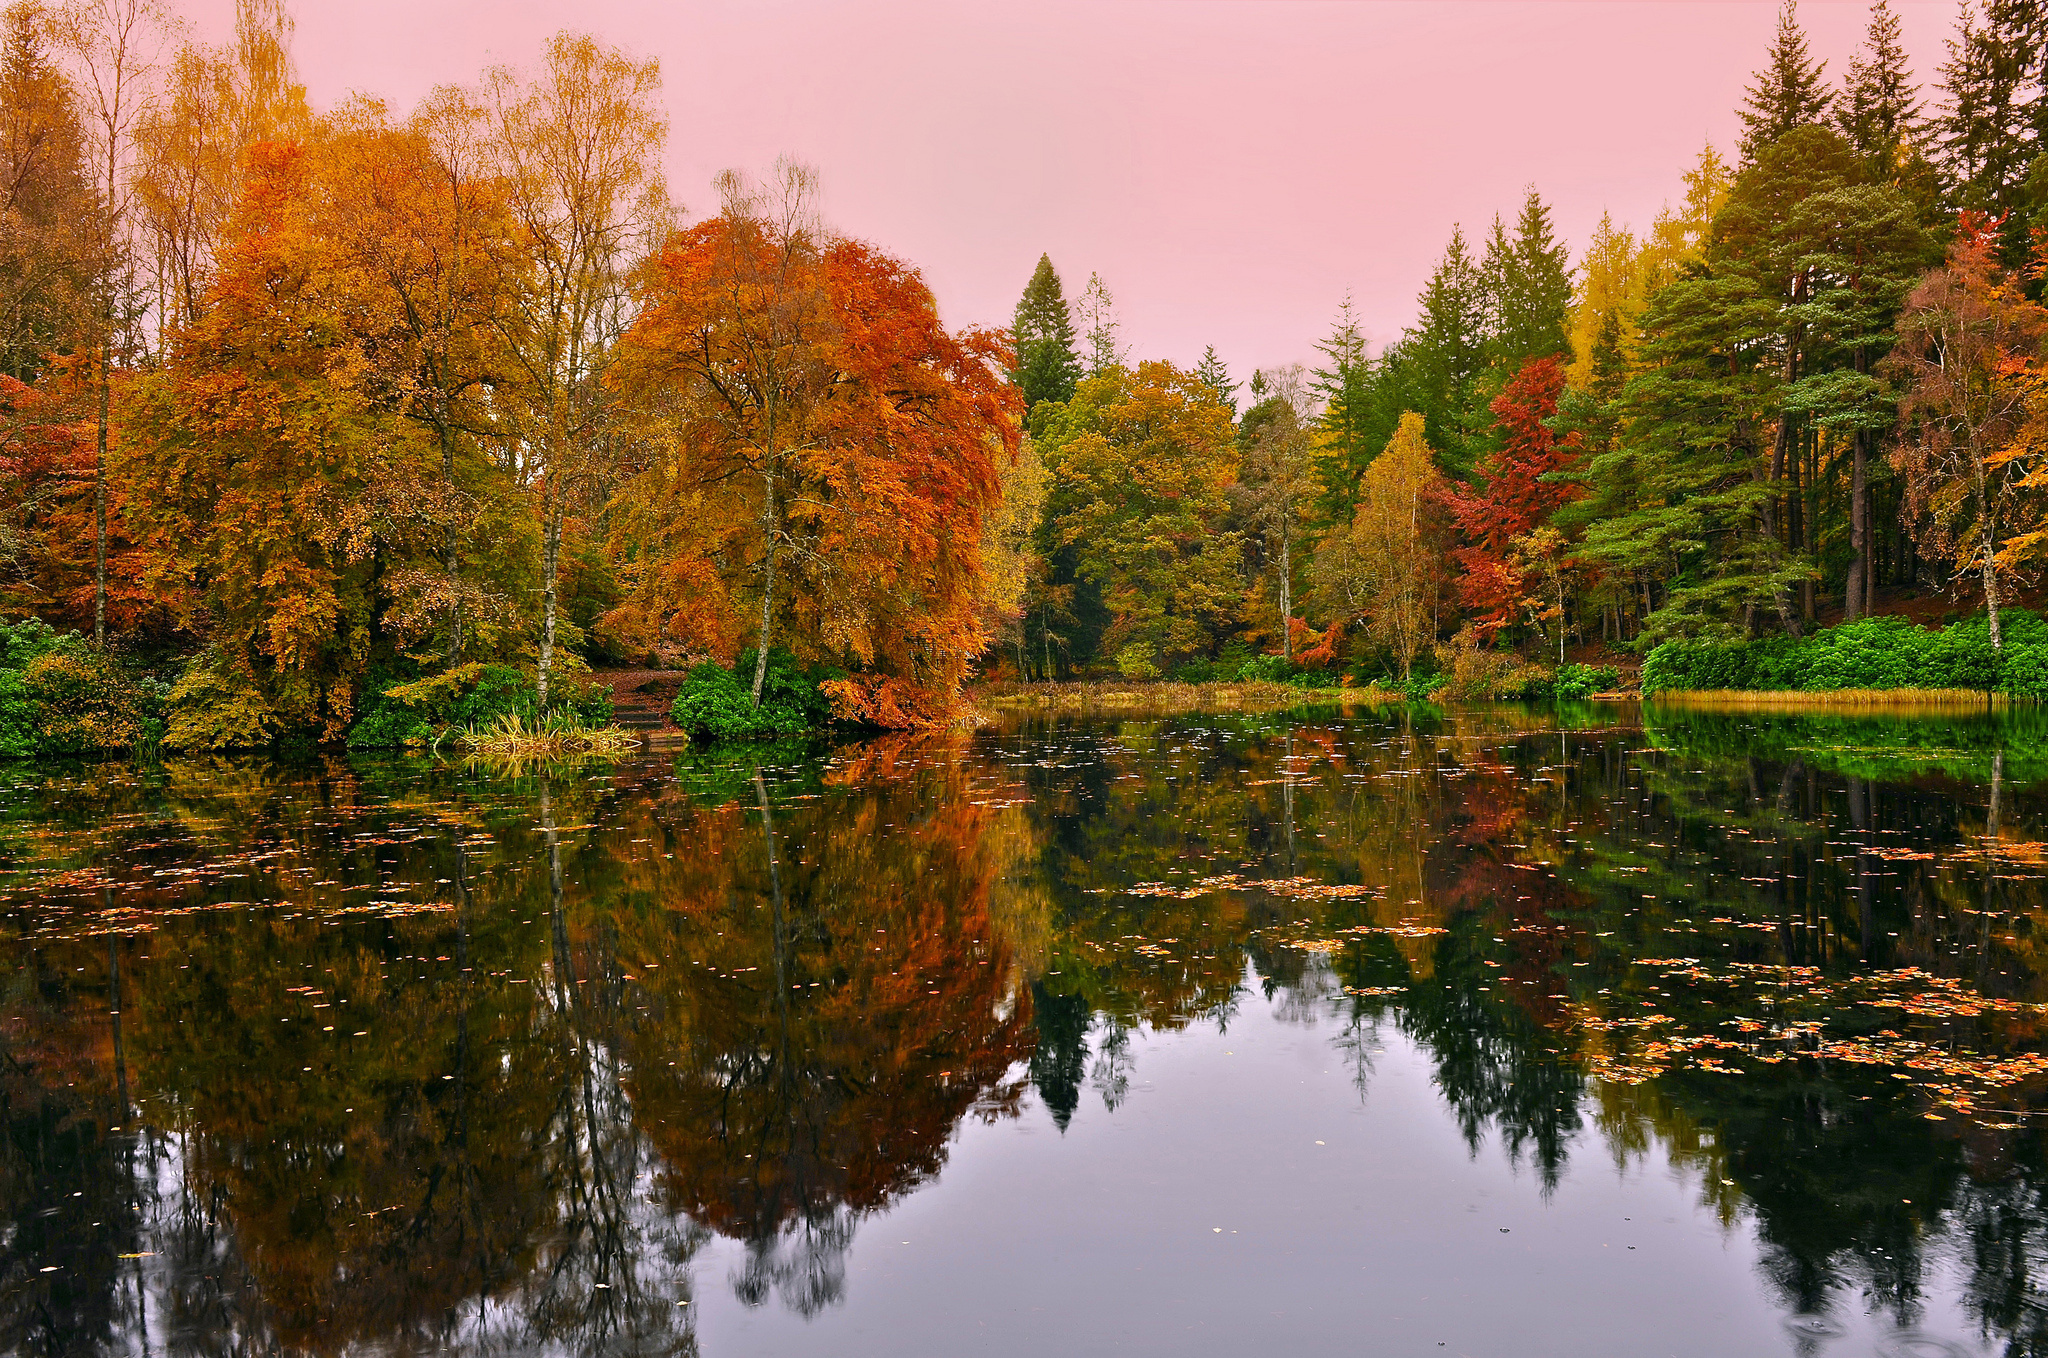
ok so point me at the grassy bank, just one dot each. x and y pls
(1845, 700)
(1168, 697)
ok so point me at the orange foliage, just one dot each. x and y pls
(46, 510)
(812, 406)
(268, 488)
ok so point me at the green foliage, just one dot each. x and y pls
(85, 703)
(21, 642)
(1048, 365)
(1137, 661)
(1872, 653)
(212, 708)
(1270, 668)
(1571, 683)
(469, 697)
(717, 704)
(1422, 688)
(59, 696)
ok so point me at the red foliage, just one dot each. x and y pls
(1516, 497)
(1313, 651)
(46, 506)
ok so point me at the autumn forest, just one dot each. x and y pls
(313, 419)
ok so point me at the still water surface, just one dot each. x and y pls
(1485, 1032)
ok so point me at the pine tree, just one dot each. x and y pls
(1348, 437)
(1787, 93)
(1047, 366)
(1212, 371)
(1532, 294)
(1879, 109)
(1994, 112)
(1446, 351)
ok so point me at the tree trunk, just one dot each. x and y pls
(1990, 570)
(99, 502)
(767, 594)
(1286, 597)
(454, 649)
(550, 564)
(1856, 601)
(1990, 565)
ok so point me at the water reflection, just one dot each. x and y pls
(415, 1058)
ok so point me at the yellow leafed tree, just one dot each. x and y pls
(1390, 570)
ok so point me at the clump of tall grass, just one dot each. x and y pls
(557, 734)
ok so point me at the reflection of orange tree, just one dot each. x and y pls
(835, 1000)
(373, 1129)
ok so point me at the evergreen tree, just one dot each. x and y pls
(1347, 435)
(1446, 351)
(1532, 291)
(1879, 109)
(1994, 112)
(1212, 371)
(1047, 366)
(1496, 267)
(1787, 93)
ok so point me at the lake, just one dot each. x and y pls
(1491, 1031)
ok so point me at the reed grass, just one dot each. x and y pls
(1170, 697)
(557, 735)
(1836, 700)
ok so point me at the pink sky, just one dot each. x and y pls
(1231, 168)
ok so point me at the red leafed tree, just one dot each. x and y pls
(46, 511)
(829, 453)
(1516, 497)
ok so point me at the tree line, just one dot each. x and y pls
(302, 408)
(1813, 385)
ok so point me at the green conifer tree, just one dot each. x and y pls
(1993, 121)
(1532, 291)
(1213, 372)
(1350, 436)
(1047, 364)
(1787, 93)
(1879, 110)
(1445, 352)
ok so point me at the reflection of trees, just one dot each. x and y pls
(848, 1001)
(758, 1006)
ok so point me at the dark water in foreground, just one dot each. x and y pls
(1480, 1033)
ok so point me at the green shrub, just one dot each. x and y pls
(1423, 688)
(1870, 653)
(1263, 669)
(717, 704)
(23, 641)
(59, 696)
(470, 697)
(84, 702)
(1576, 683)
(210, 708)
(1137, 661)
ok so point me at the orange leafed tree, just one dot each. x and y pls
(826, 453)
(273, 492)
(46, 510)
